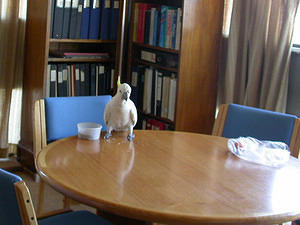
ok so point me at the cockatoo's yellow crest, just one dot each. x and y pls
(119, 81)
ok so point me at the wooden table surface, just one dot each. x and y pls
(172, 177)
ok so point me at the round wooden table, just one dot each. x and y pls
(172, 177)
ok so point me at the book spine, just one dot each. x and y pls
(53, 78)
(135, 21)
(58, 19)
(105, 20)
(173, 35)
(172, 99)
(66, 20)
(94, 19)
(178, 28)
(115, 6)
(60, 81)
(85, 20)
(163, 20)
(79, 19)
(53, 4)
(74, 10)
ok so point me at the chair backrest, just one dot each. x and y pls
(9, 210)
(56, 118)
(235, 120)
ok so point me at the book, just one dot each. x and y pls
(141, 22)
(173, 30)
(64, 80)
(172, 99)
(148, 90)
(82, 79)
(87, 79)
(101, 80)
(60, 90)
(147, 26)
(115, 5)
(178, 28)
(105, 20)
(135, 21)
(134, 85)
(152, 22)
(77, 80)
(159, 82)
(58, 19)
(94, 20)
(168, 34)
(69, 80)
(85, 20)
(107, 79)
(165, 97)
(53, 4)
(93, 79)
(53, 78)
(66, 19)
(48, 80)
(78, 19)
(163, 25)
(73, 18)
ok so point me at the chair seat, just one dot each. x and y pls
(74, 218)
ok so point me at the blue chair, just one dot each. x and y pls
(56, 118)
(16, 207)
(235, 121)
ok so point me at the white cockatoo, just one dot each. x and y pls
(120, 112)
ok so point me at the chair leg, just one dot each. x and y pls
(40, 197)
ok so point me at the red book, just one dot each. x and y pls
(141, 22)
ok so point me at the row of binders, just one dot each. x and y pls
(157, 25)
(85, 19)
(81, 79)
(154, 91)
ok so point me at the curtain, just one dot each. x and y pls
(12, 37)
(256, 54)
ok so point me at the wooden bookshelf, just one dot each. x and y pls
(198, 58)
(40, 49)
(78, 60)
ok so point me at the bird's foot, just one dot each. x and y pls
(130, 137)
(107, 135)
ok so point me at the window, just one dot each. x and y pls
(296, 34)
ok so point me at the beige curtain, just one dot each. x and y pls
(12, 36)
(257, 54)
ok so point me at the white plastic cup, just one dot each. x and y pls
(89, 131)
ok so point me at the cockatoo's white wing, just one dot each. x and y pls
(133, 113)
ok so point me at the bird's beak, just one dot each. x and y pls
(125, 96)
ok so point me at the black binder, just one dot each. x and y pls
(66, 23)
(78, 19)
(74, 10)
(52, 17)
(58, 19)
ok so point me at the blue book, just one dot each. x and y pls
(85, 20)
(95, 19)
(163, 25)
(105, 20)
(173, 29)
(115, 5)
(58, 19)
(52, 17)
(73, 19)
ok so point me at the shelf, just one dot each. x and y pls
(168, 50)
(67, 60)
(88, 41)
(175, 70)
(165, 120)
